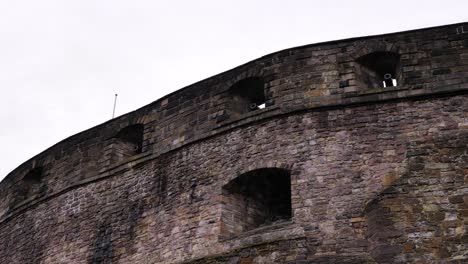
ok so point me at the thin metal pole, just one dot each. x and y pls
(115, 103)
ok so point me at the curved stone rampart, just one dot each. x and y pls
(349, 151)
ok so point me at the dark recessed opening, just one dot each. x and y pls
(255, 199)
(378, 69)
(29, 186)
(247, 95)
(34, 176)
(129, 141)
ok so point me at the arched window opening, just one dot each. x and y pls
(129, 141)
(254, 199)
(29, 186)
(378, 70)
(247, 95)
(34, 176)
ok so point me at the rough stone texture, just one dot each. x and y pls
(377, 175)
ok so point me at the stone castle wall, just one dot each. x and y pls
(335, 168)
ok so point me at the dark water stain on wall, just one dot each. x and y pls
(32, 249)
(420, 217)
(103, 249)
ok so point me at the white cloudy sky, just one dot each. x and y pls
(61, 62)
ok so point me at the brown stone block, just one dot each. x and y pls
(435, 217)
(408, 247)
(456, 199)
(246, 261)
(389, 179)
(357, 219)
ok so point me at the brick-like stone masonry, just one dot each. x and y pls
(350, 151)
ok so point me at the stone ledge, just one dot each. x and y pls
(289, 233)
(249, 119)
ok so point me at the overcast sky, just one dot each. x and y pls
(61, 62)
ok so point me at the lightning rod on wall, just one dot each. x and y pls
(115, 103)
